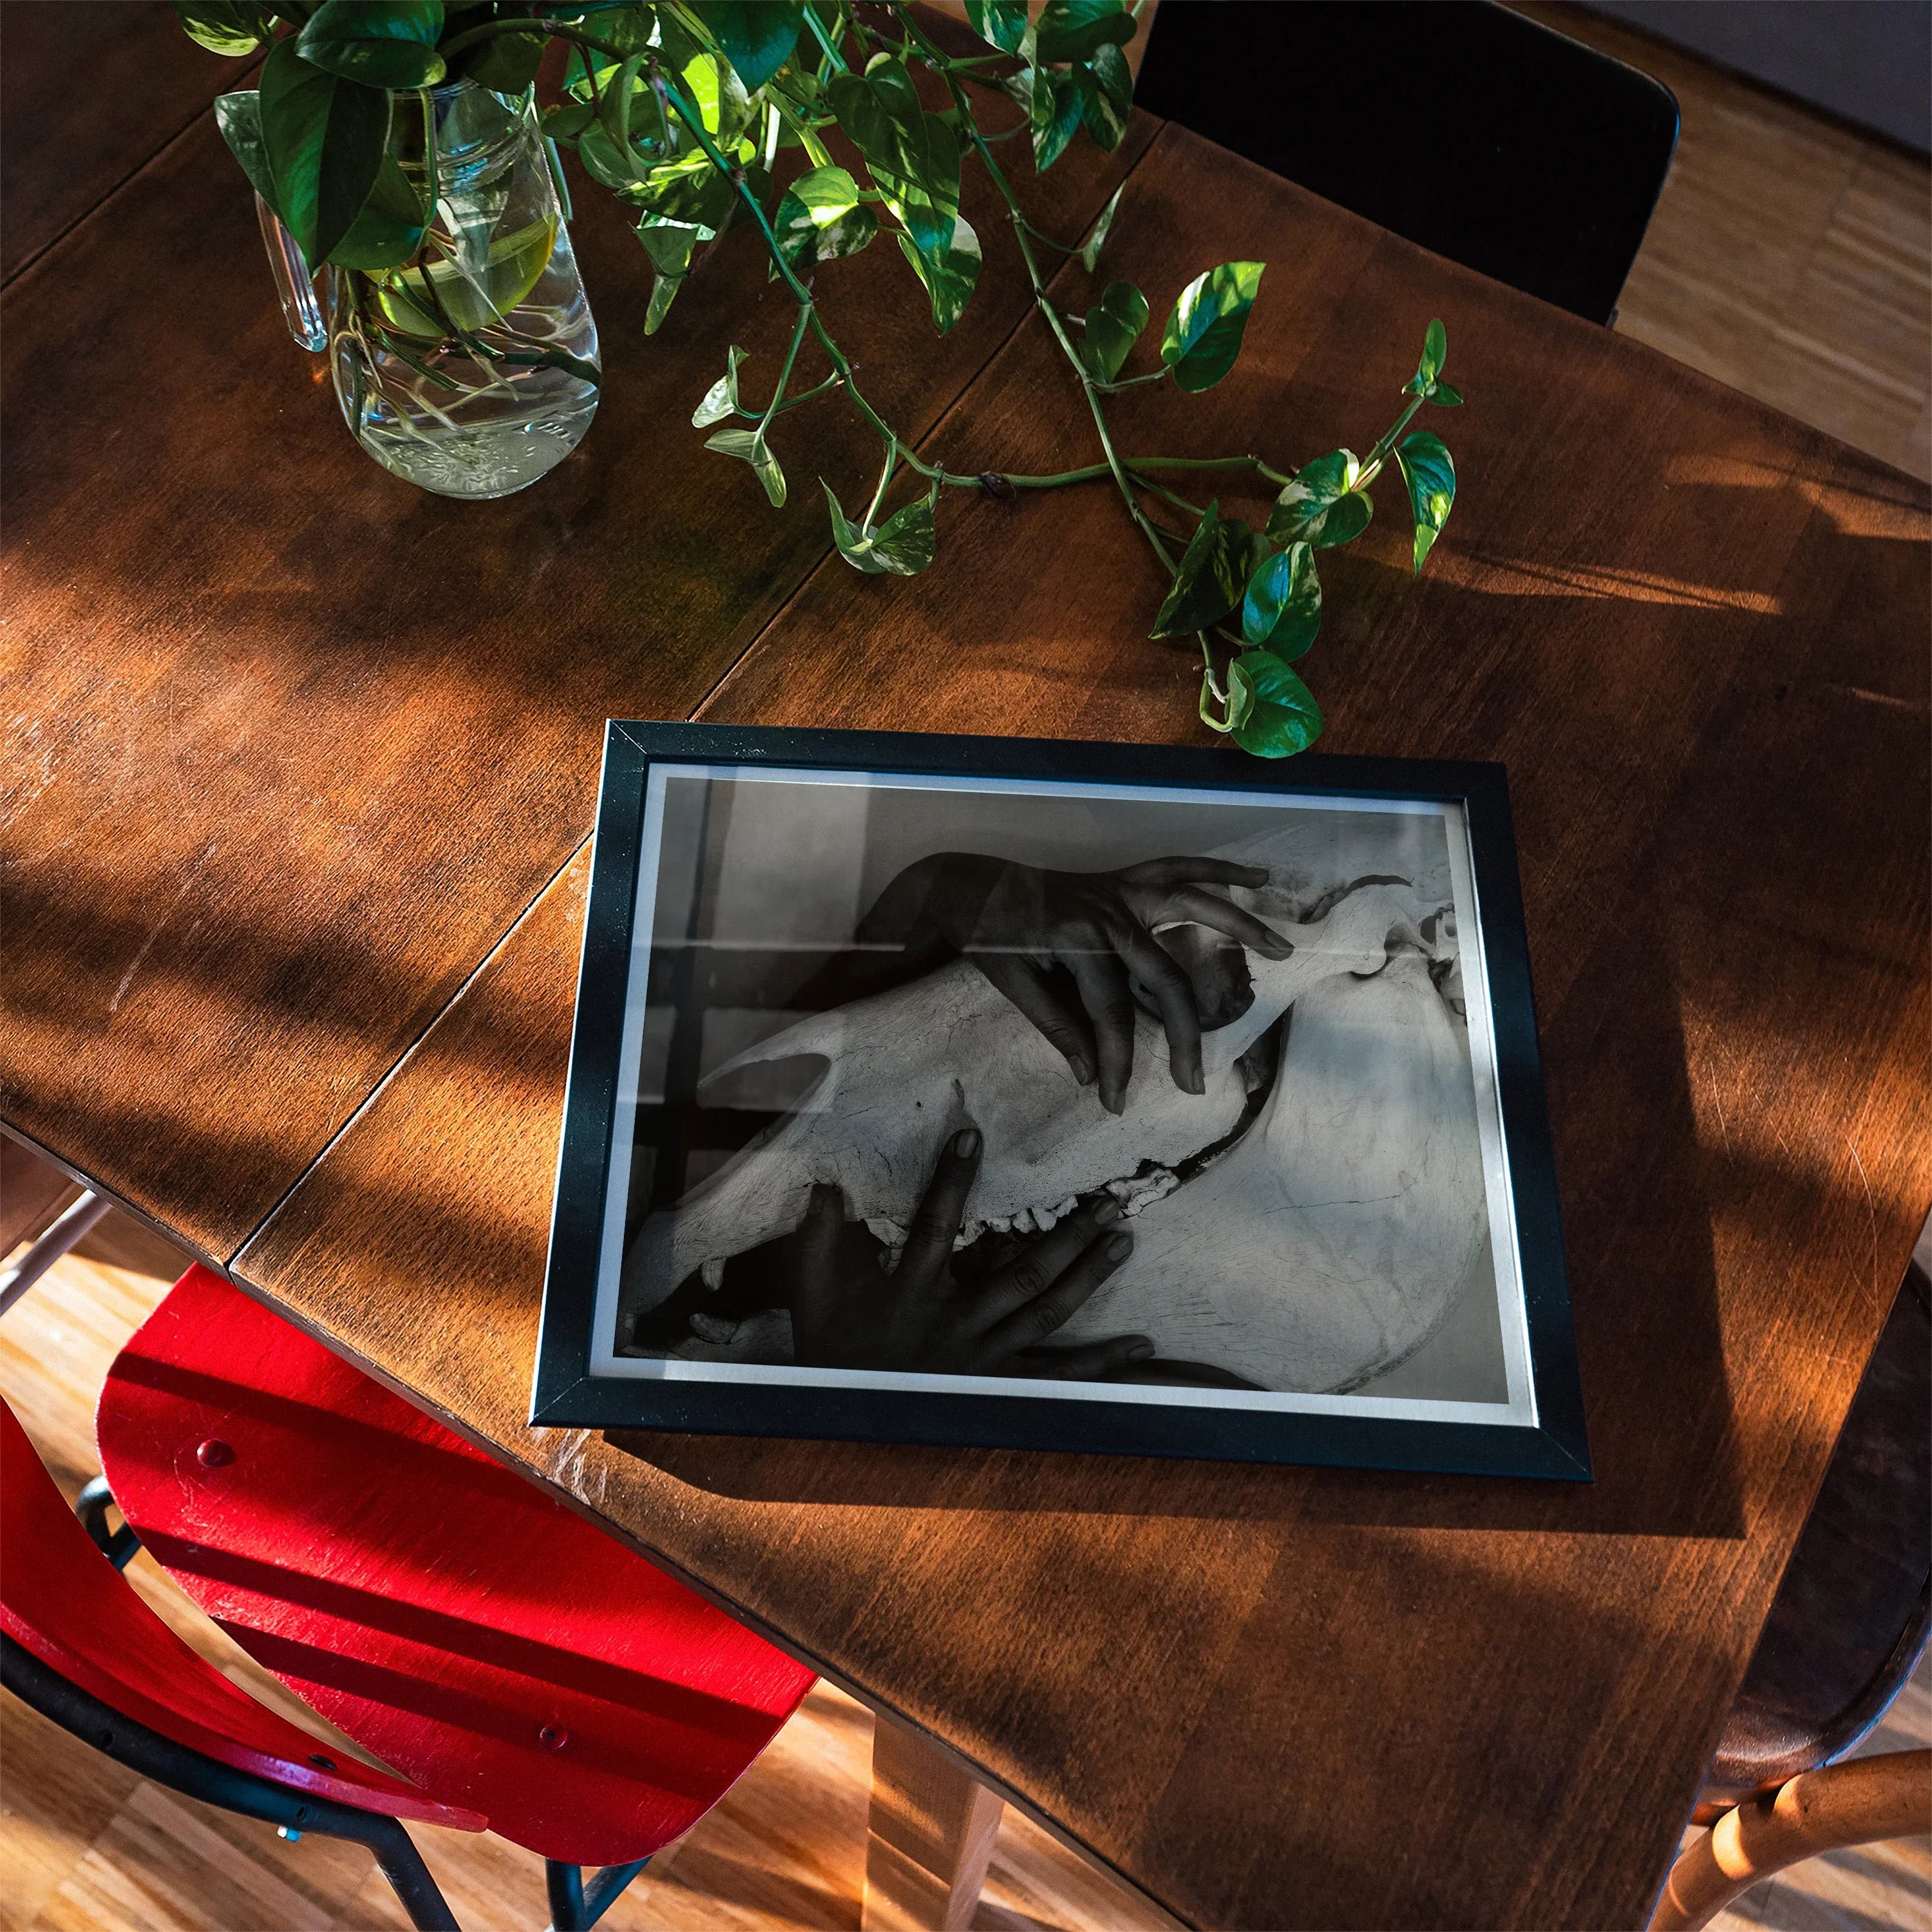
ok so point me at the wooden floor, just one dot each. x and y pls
(1789, 257)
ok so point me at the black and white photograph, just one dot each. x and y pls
(948, 1084)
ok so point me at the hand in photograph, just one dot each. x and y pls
(847, 1314)
(1017, 923)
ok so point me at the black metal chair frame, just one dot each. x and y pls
(188, 1771)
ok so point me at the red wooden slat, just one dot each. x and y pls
(447, 1614)
(64, 1601)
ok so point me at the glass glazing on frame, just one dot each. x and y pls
(1323, 1227)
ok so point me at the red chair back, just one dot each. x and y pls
(452, 1617)
(61, 1599)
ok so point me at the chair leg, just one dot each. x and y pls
(600, 1893)
(92, 1506)
(16, 1281)
(1859, 1801)
(931, 1836)
(575, 1907)
(402, 1865)
(565, 1885)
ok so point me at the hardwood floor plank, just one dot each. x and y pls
(1790, 255)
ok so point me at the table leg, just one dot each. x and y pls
(930, 1837)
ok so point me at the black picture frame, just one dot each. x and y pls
(566, 1393)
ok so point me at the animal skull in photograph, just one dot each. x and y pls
(1306, 1222)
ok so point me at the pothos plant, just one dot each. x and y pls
(684, 108)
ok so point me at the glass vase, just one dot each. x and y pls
(472, 369)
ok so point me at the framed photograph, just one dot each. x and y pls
(1055, 1096)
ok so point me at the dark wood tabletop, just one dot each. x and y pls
(300, 772)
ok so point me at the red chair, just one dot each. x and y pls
(79, 1646)
(451, 1617)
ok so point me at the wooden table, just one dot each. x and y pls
(301, 766)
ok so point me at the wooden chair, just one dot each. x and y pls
(1458, 124)
(448, 1616)
(1846, 1628)
(78, 1646)
(1860, 1803)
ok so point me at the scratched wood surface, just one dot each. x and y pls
(1697, 641)
(258, 679)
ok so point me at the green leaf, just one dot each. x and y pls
(1204, 333)
(239, 118)
(1435, 347)
(1285, 718)
(1055, 115)
(1448, 397)
(1322, 507)
(1090, 252)
(1282, 609)
(1229, 714)
(749, 446)
(902, 546)
(508, 63)
(1001, 23)
(324, 138)
(1430, 473)
(1106, 89)
(1069, 29)
(389, 229)
(758, 35)
(1212, 575)
(689, 190)
(720, 399)
(821, 218)
(1113, 325)
(1435, 351)
(566, 122)
(912, 156)
(225, 26)
(669, 245)
(380, 43)
(948, 276)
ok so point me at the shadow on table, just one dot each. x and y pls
(1640, 1190)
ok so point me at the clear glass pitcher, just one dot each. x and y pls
(472, 369)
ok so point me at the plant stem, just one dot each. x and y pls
(805, 396)
(885, 477)
(1179, 503)
(784, 374)
(670, 99)
(1373, 467)
(1133, 382)
(1020, 225)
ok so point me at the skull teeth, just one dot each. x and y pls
(1133, 1191)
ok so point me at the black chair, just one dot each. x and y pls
(1471, 130)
